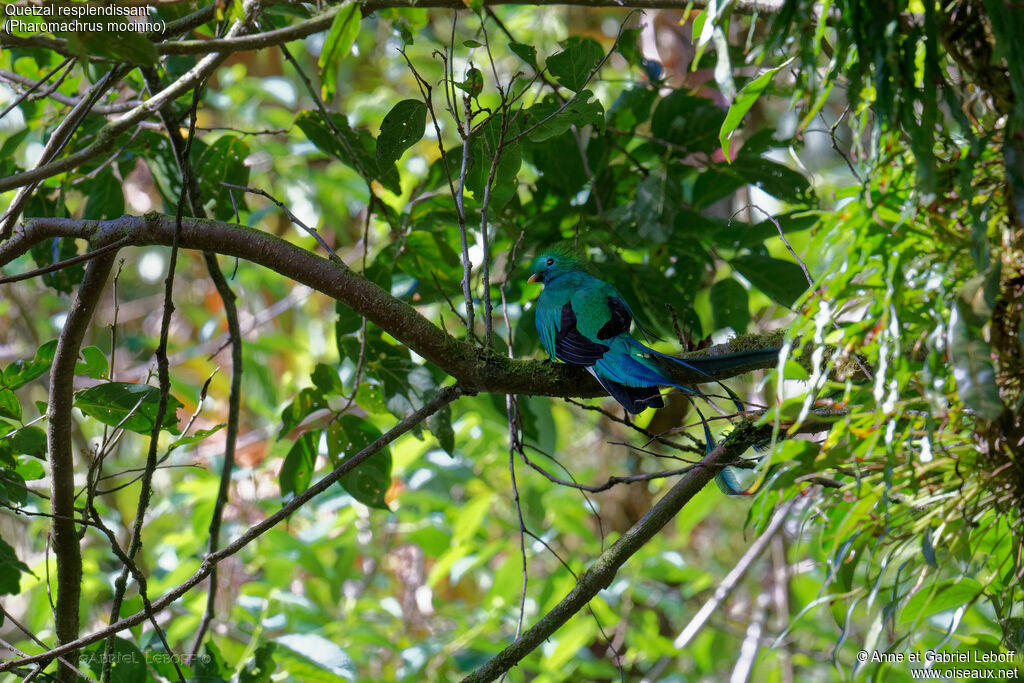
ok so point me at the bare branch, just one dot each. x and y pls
(59, 449)
(604, 569)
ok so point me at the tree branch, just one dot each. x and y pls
(60, 449)
(599, 576)
(475, 368)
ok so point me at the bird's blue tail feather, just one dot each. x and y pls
(634, 373)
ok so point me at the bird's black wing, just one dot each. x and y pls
(619, 320)
(571, 346)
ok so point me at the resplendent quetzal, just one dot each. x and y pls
(585, 321)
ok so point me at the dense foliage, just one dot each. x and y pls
(843, 181)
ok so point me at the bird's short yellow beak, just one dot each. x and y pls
(536, 277)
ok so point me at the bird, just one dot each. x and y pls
(584, 321)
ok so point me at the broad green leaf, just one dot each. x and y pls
(301, 407)
(105, 196)
(326, 379)
(10, 570)
(945, 595)
(128, 664)
(628, 45)
(133, 406)
(369, 481)
(551, 118)
(742, 103)
(224, 162)
(772, 177)
(370, 398)
(327, 663)
(336, 47)
(10, 406)
(348, 320)
(109, 41)
(484, 148)
(401, 129)
(12, 488)
(262, 666)
(783, 281)
(49, 252)
(95, 363)
(687, 121)
(30, 440)
(474, 83)
(355, 148)
(297, 469)
(440, 424)
(729, 305)
(527, 53)
(572, 66)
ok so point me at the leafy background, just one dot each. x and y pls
(703, 159)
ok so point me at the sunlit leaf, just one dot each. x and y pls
(129, 405)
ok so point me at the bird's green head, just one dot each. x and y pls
(553, 263)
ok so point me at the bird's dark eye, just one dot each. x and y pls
(551, 261)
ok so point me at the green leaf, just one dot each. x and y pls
(95, 363)
(550, 122)
(426, 255)
(348, 321)
(128, 664)
(482, 148)
(297, 470)
(307, 401)
(105, 196)
(12, 488)
(262, 666)
(369, 481)
(688, 121)
(133, 406)
(122, 46)
(199, 435)
(10, 406)
(742, 103)
(224, 162)
(337, 45)
(474, 83)
(370, 398)
(774, 178)
(945, 595)
(326, 379)
(11, 569)
(30, 440)
(729, 305)
(401, 129)
(628, 45)
(356, 148)
(527, 53)
(52, 251)
(313, 658)
(572, 66)
(29, 469)
(783, 281)
(440, 424)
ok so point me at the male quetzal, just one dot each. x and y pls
(585, 321)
